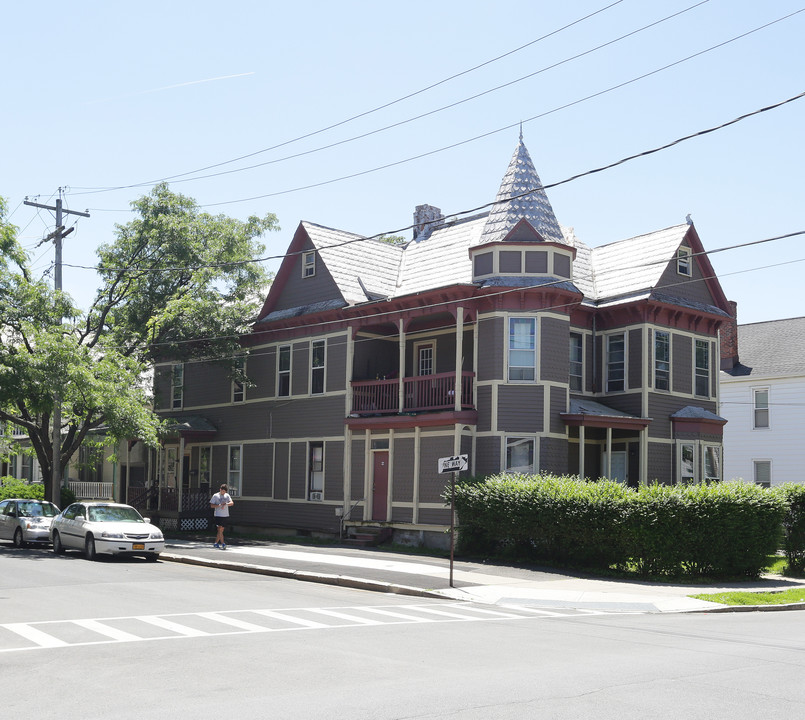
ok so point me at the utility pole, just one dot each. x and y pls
(57, 236)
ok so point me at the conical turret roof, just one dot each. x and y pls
(513, 205)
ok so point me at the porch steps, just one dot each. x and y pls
(368, 537)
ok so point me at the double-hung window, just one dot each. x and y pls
(616, 363)
(762, 472)
(712, 463)
(316, 471)
(308, 264)
(687, 463)
(317, 355)
(520, 455)
(177, 386)
(235, 469)
(702, 362)
(283, 370)
(238, 388)
(760, 402)
(662, 360)
(522, 349)
(683, 264)
(576, 365)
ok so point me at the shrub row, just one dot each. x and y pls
(724, 529)
(794, 526)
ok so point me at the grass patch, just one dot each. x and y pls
(784, 597)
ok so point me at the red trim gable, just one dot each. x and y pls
(709, 275)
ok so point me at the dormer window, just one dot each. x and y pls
(308, 264)
(683, 261)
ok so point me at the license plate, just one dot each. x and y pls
(138, 546)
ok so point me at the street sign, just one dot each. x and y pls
(457, 463)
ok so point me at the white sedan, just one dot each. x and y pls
(26, 521)
(105, 527)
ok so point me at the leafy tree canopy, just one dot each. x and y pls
(174, 282)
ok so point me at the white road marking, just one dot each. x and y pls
(291, 619)
(35, 635)
(106, 630)
(234, 622)
(172, 626)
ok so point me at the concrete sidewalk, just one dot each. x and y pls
(424, 576)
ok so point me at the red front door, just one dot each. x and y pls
(380, 486)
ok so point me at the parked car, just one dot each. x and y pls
(105, 527)
(26, 521)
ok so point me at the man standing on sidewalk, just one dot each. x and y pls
(221, 502)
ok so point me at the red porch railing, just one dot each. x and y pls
(425, 392)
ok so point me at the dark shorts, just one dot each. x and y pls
(220, 521)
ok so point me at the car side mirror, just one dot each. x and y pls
(148, 520)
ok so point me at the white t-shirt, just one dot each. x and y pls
(221, 502)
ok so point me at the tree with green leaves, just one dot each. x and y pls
(175, 283)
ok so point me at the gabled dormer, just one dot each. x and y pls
(522, 237)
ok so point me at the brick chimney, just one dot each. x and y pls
(729, 339)
(426, 218)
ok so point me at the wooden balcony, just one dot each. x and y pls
(420, 394)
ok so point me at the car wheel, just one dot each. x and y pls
(89, 548)
(18, 541)
(58, 548)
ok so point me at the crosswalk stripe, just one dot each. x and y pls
(290, 619)
(346, 616)
(35, 635)
(106, 630)
(444, 613)
(484, 611)
(402, 616)
(233, 622)
(172, 626)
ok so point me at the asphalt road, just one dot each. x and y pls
(131, 639)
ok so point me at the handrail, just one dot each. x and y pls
(346, 515)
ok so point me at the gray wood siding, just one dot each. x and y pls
(682, 364)
(554, 344)
(357, 467)
(484, 408)
(162, 388)
(490, 348)
(282, 451)
(520, 408)
(299, 291)
(317, 416)
(261, 367)
(429, 516)
(558, 405)
(635, 362)
(631, 404)
(403, 480)
(334, 470)
(553, 456)
(660, 463)
(336, 363)
(300, 368)
(431, 482)
(298, 486)
(257, 469)
(206, 384)
(402, 514)
(487, 460)
(219, 467)
(691, 288)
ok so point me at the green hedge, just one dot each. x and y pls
(14, 488)
(794, 527)
(722, 529)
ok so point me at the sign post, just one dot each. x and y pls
(453, 465)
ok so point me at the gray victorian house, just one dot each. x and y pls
(500, 336)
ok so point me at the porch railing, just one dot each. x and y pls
(421, 393)
(91, 490)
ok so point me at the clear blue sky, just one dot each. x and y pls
(100, 94)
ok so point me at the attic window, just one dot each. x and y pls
(683, 261)
(308, 264)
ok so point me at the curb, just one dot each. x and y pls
(753, 608)
(322, 578)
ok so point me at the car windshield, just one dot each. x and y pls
(37, 509)
(113, 513)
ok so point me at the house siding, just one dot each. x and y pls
(431, 482)
(300, 368)
(691, 288)
(336, 363)
(403, 481)
(487, 461)
(682, 364)
(635, 360)
(554, 343)
(553, 456)
(299, 291)
(520, 408)
(261, 368)
(484, 407)
(334, 471)
(491, 338)
(660, 463)
(282, 453)
(258, 464)
(297, 488)
(559, 401)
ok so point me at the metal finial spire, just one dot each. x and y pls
(521, 131)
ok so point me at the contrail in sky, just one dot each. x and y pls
(170, 87)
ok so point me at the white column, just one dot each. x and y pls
(459, 355)
(582, 438)
(609, 453)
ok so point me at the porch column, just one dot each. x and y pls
(349, 369)
(459, 355)
(644, 456)
(609, 453)
(180, 471)
(582, 438)
(417, 448)
(401, 386)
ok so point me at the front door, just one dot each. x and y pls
(380, 485)
(619, 468)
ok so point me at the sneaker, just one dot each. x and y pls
(216, 545)
(223, 547)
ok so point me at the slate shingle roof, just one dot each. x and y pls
(771, 349)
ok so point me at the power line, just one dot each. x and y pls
(367, 112)
(477, 209)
